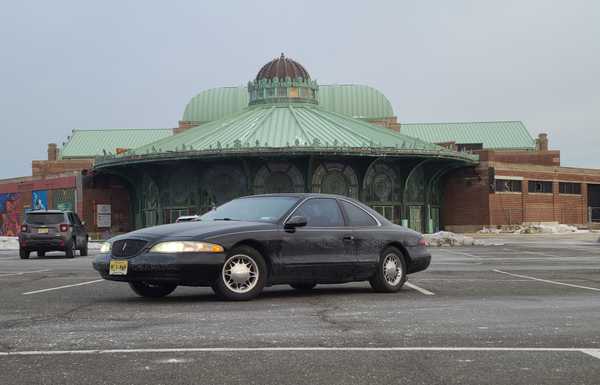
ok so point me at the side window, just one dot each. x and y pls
(70, 218)
(356, 216)
(321, 212)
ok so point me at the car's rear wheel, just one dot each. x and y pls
(24, 253)
(41, 253)
(83, 251)
(70, 249)
(243, 275)
(303, 286)
(391, 271)
(150, 290)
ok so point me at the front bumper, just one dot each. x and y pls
(420, 258)
(190, 269)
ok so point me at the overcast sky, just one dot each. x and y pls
(114, 64)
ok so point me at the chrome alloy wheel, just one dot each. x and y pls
(392, 269)
(240, 273)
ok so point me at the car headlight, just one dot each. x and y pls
(105, 247)
(186, 247)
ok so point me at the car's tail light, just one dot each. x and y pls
(422, 242)
(64, 228)
(24, 228)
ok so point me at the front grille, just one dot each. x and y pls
(127, 248)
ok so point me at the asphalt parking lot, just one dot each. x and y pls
(527, 312)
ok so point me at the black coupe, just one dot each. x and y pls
(261, 240)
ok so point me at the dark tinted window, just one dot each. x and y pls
(508, 185)
(45, 218)
(321, 212)
(262, 209)
(357, 216)
(540, 187)
(569, 188)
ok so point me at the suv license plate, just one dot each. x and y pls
(43, 230)
(118, 268)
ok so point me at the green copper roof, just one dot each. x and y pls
(215, 103)
(90, 143)
(347, 99)
(493, 135)
(290, 127)
(353, 100)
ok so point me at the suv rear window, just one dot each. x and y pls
(45, 218)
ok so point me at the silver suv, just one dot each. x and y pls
(52, 230)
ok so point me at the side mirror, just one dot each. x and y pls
(295, 221)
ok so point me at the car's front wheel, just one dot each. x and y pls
(243, 275)
(149, 290)
(391, 271)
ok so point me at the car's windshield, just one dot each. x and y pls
(45, 218)
(262, 209)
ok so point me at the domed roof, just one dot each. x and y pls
(281, 68)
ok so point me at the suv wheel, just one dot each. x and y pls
(149, 290)
(70, 249)
(391, 271)
(243, 275)
(24, 253)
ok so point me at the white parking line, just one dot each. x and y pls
(62, 287)
(546, 280)
(592, 352)
(22, 272)
(419, 289)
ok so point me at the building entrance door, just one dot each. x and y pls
(594, 202)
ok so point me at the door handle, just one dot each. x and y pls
(348, 238)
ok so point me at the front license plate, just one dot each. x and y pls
(43, 230)
(118, 268)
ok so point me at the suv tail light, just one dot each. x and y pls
(24, 228)
(422, 242)
(64, 228)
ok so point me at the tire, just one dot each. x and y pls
(84, 250)
(147, 290)
(303, 286)
(41, 253)
(251, 276)
(391, 258)
(70, 249)
(24, 253)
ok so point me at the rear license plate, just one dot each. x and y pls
(43, 230)
(118, 268)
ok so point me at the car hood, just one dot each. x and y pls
(198, 230)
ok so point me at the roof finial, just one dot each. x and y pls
(282, 56)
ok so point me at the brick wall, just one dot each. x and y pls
(542, 158)
(465, 200)
(43, 168)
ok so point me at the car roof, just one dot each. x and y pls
(300, 195)
(47, 212)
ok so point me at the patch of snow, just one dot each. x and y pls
(9, 243)
(533, 228)
(446, 238)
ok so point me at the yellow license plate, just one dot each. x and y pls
(43, 230)
(118, 268)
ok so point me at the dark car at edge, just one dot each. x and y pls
(263, 240)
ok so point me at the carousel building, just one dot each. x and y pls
(284, 132)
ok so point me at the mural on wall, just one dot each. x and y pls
(39, 200)
(63, 199)
(9, 216)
